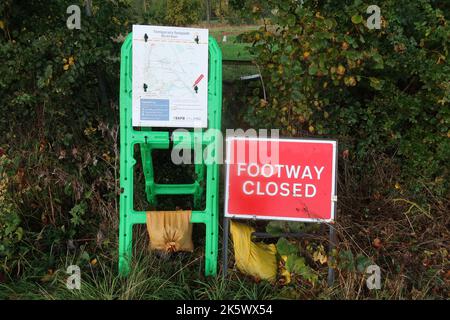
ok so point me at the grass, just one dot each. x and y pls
(160, 277)
(151, 278)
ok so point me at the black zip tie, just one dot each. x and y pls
(145, 37)
(145, 87)
(196, 39)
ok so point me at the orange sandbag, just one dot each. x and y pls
(170, 231)
(256, 259)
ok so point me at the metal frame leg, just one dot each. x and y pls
(332, 245)
(226, 232)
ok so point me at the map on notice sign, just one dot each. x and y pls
(170, 77)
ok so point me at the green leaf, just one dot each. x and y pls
(275, 228)
(329, 23)
(295, 263)
(285, 248)
(291, 19)
(346, 260)
(357, 19)
(297, 227)
(375, 83)
(19, 233)
(77, 212)
(312, 69)
(362, 262)
(85, 256)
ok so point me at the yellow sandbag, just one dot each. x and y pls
(255, 259)
(170, 230)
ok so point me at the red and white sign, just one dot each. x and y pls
(280, 179)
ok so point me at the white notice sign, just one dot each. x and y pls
(170, 77)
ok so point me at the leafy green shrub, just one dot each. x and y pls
(295, 264)
(381, 91)
(11, 233)
(58, 101)
(232, 11)
(183, 12)
(155, 14)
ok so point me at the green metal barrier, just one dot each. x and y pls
(148, 140)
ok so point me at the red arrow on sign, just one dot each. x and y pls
(198, 80)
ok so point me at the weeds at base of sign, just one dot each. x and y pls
(301, 262)
(299, 256)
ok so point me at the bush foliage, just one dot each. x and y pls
(58, 93)
(380, 91)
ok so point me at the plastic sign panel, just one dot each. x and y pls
(280, 179)
(170, 77)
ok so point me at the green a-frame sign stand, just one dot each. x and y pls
(148, 140)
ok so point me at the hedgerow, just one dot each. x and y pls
(58, 110)
(380, 91)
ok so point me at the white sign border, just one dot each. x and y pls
(292, 140)
(136, 117)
